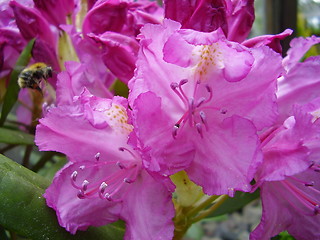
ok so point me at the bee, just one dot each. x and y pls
(31, 76)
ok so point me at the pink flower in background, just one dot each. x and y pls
(240, 18)
(207, 94)
(29, 23)
(234, 17)
(205, 16)
(289, 177)
(119, 53)
(126, 17)
(105, 179)
(114, 25)
(56, 11)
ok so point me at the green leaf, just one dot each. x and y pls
(23, 209)
(11, 95)
(237, 202)
(283, 236)
(10, 136)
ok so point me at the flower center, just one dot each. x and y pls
(195, 108)
(105, 179)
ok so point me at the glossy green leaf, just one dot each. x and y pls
(23, 209)
(11, 95)
(240, 200)
(10, 136)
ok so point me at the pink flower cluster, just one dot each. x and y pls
(232, 113)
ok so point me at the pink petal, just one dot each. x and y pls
(290, 208)
(119, 53)
(298, 48)
(284, 156)
(226, 157)
(148, 210)
(55, 11)
(75, 213)
(300, 85)
(202, 16)
(254, 96)
(32, 24)
(105, 16)
(272, 41)
(154, 129)
(83, 129)
(240, 17)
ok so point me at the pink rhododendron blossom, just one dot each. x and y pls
(301, 81)
(289, 177)
(105, 180)
(203, 94)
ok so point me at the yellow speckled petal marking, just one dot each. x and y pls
(118, 119)
(210, 58)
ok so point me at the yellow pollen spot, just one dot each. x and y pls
(118, 119)
(210, 58)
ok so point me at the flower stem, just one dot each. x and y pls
(186, 216)
(203, 204)
(210, 210)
